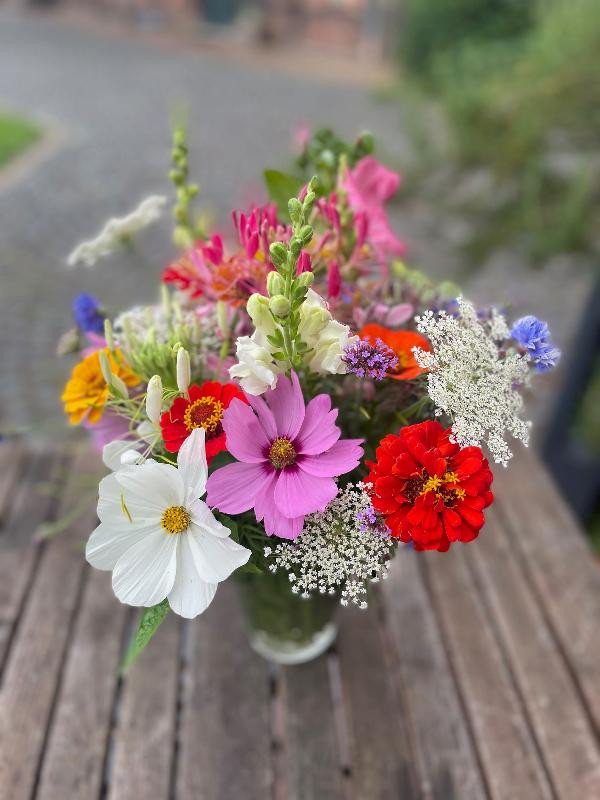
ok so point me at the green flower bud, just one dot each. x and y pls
(278, 253)
(295, 209)
(275, 283)
(258, 309)
(108, 335)
(305, 279)
(305, 233)
(181, 237)
(222, 320)
(295, 246)
(279, 305)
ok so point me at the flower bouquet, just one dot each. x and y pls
(298, 407)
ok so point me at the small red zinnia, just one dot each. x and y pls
(203, 408)
(429, 490)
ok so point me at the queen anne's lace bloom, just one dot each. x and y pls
(115, 231)
(340, 549)
(473, 380)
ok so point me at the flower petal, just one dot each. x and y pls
(190, 595)
(344, 456)
(265, 416)
(113, 452)
(319, 431)
(287, 404)
(276, 524)
(109, 541)
(191, 463)
(149, 488)
(246, 438)
(203, 518)
(297, 493)
(215, 558)
(232, 488)
(145, 573)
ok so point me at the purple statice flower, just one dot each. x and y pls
(369, 521)
(368, 360)
(534, 337)
(87, 314)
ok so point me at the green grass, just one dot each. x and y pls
(16, 135)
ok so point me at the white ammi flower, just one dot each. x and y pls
(116, 230)
(158, 538)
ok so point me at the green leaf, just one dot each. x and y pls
(250, 568)
(281, 187)
(149, 624)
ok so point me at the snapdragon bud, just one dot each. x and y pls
(295, 209)
(305, 233)
(279, 305)
(108, 335)
(105, 368)
(278, 253)
(275, 283)
(295, 246)
(305, 279)
(154, 395)
(184, 370)
(258, 310)
(222, 320)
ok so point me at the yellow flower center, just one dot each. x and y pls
(282, 453)
(175, 519)
(433, 484)
(205, 412)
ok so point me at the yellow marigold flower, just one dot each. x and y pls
(86, 391)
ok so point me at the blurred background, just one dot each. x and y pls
(490, 111)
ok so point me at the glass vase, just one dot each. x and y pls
(282, 626)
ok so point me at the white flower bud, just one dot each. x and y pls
(184, 370)
(154, 395)
(108, 335)
(222, 320)
(279, 305)
(105, 368)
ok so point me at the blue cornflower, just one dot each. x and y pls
(87, 314)
(533, 335)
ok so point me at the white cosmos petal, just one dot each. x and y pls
(215, 558)
(109, 500)
(204, 518)
(150, 488)
(145, 573)
(191, 461)
(113, 453)
(190, 595)
(109, 541)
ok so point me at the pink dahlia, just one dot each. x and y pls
(288, 456)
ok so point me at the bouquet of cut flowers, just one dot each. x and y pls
(298, 406)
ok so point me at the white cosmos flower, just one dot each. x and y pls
(158, 538)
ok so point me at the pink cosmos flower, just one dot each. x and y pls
(369, 185)
(288, 456)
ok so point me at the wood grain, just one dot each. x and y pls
(225, 739)
(442, 742)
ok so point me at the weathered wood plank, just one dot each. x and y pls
(562, 728)
(35, 660)
(311, 754)
(74, 758)
(380, 757)
(18, 551)
(13, 462)
(559, 564)
(225, 739)
(144, 736)
(442, 742)
(502, 736)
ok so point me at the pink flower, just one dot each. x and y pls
(369, 185)
(288, 456)
(334, 281)
(109, 427)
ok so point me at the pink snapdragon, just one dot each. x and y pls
(288, 456)
(369, 186)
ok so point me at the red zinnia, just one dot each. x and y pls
(429, 491)
(203, 408)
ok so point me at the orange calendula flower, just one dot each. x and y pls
(402, 343)
(86, 391)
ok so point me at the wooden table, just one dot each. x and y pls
(476, 674)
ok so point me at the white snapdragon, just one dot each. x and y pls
(154, 397)
(115, 231)
(341, 549)
(255, 367)
(473, 380)
(325, 336)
